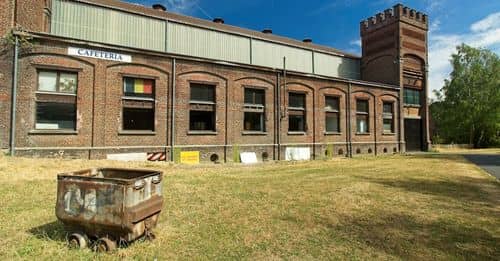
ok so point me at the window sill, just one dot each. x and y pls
(297, 133)
(136, 132)
(202, 133)
(56, 93)
(388, 133)
(412, 105)
(363, 133)
(254, 133)
(132, 98)
(332, 133)
(54, 132)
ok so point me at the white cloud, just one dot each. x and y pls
(483, 33)
(181, 5)
(491, 21)
(356, 42)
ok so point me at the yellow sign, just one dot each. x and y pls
(190, 157)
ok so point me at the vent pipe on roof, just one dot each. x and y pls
(159, 7)
(307, 40)
(267, 31)
(218, 20)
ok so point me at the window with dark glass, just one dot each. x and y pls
(56, 100)
(411, 96)
(202, 107)
(332, 119)
(296, 112)
(254, 107)
(362, 116)
(388, 117)
(138, 104)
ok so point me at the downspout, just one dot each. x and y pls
(14, 13)
(14, 99)
(314, 124)
(285, 94)
(349, 135)
(278, 113)
(172, 115)
(375, 118)
(284, 88)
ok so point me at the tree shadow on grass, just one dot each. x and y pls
(437, 156)
(465, 189)
(407, 237)
(54, 231)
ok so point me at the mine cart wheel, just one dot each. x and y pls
(105, 244)
(150, 236)
(77, 240)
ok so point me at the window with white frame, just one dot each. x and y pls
(362, 117)
(388, 117)
(138, 112)
(296, 112)
(253, 110)
(332, 114)
(56, 100)
(202, 107)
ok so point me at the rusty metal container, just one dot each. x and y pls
(106, 207)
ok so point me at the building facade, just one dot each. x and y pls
(104, 78)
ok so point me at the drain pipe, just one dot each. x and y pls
(278, 113)
(14, 100)
(172, 120)
(349, 133)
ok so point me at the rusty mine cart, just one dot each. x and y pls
(105, 208)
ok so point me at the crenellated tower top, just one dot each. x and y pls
(398, 12)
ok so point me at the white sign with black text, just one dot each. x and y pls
(99, 54)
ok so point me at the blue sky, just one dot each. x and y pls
(335, 23)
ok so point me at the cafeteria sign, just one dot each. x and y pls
(99, 54)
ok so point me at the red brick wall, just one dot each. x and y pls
(99, 108)
(5, 96)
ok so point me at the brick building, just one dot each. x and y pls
(104, 78)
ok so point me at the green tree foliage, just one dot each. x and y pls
(468, 106)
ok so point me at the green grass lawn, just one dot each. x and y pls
(395, 207)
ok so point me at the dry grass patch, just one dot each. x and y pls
(398, 207)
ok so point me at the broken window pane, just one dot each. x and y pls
(67, 82)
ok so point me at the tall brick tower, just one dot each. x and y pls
(394, 49)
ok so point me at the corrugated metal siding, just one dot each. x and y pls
(335, 66)
(271, 55)
(92, 23)
(188, 40)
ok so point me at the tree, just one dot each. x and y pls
(468, 106)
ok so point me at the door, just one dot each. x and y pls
(413, 134)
